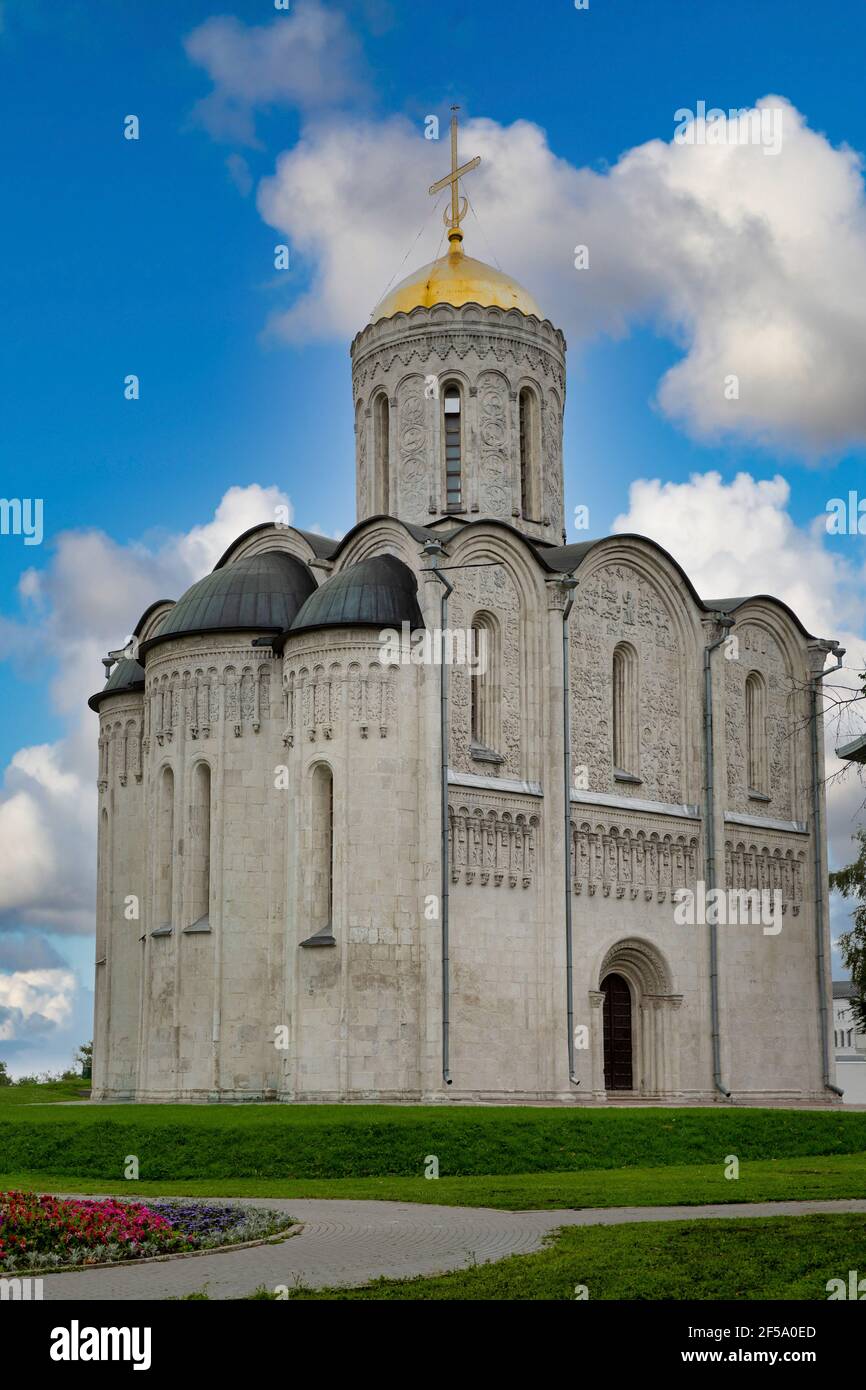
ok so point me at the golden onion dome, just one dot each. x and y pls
(456, 279)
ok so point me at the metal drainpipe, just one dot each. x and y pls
(433, 549)
(569, 584)
(838, 652)
(726, 622)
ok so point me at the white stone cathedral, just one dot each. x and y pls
(280, 915)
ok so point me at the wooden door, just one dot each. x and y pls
(618, 1075)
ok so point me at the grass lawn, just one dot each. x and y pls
(510, 1157)
(204, 1144)
(767, 1180)
(764, 1258)
(45, 1093)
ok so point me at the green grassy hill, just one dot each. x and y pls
(176, 1142)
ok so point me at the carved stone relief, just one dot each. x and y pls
(618, 604)
(759, 651)
(492, 847)
(766, 868)
(488, 589)
(495, 474)
(616, 861)
(412, 433)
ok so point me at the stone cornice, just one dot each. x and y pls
(636, 804)
(790, 827)
(468, 318)
(475, 782)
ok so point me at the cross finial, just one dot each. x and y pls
(458, 205)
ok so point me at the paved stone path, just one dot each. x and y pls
(344, 1242)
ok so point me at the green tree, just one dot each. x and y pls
(84, 1060)
(851, 883)
(5, 1078)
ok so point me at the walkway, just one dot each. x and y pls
(345, 1242)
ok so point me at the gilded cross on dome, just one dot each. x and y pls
(458, 205)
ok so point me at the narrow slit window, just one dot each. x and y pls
(200, 846)
(756, 733)
(382, 422)
(322, 859)
(476, 694)
(625, 722)
(526, 409)
(453, 448)
(165, 846)
(485, 689)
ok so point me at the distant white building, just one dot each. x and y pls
(849, 1045)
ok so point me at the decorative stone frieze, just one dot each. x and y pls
(328, 683)
(120, 743)
(762, 867)
(631, 862)
(493, 845)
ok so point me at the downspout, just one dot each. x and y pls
(432, 550)
(817, 833)
(725, 622)
(568, 585)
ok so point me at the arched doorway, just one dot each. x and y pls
(636, 1040)
(617, 1032)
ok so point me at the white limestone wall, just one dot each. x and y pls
(121, 894)
(354, 1008)
(211, 997)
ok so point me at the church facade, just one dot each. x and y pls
(579, 862)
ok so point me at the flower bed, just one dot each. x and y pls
(45, 1232)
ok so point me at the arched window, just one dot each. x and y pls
(453, 431)
(322, 857)
(626, 758)
(485, 690)
(381, 454)
(165, 850)
(528, 410)
(756, 733)
(199, 848)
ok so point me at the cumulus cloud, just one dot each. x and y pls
(32, 1001)
(84, 602)
(736, 539)
(714, 244)
(308, 58)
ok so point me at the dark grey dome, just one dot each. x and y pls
(127, 675)
(259, 593)
(379, 592)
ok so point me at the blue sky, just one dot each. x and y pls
(155, 257)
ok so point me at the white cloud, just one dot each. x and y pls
(308, 58)
(738, 538)
(755, 264)
(34, 1000)
(239, 509)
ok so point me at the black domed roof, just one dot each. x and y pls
(379, 592)
(259, 593)
(126, 676)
